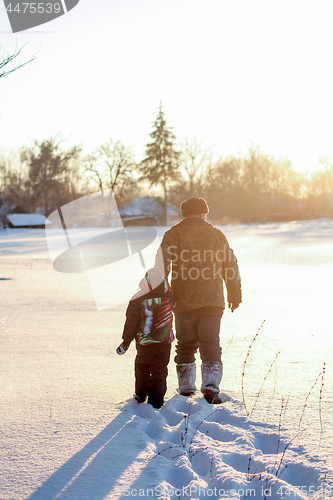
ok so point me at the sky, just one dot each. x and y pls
(229, 74)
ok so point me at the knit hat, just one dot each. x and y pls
(194, 206)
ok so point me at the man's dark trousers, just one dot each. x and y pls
(195, 332)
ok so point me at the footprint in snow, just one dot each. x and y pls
(241, 462)
(217, 449)
(168, 450)
(268, 442)
(218, 432)
(158, 428)
(172, 417)
(180, 473)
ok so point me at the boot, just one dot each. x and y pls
(212, 398)
(140, 399)
(186, 378)
(211, 372)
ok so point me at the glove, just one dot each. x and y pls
(122, 348)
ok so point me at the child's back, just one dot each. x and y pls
(149, 320)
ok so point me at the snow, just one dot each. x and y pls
(70, 428)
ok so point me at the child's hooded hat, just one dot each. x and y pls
(154, 277)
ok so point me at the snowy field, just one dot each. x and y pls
(70, 429)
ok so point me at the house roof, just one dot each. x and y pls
(27, 219)
(146, 207)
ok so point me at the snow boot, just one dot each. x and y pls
(212, 398)
(211, 372)
(140, 399)
(155, 402)
(186, 378)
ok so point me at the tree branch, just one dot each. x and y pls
(8, 60)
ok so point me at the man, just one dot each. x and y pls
(199, 258)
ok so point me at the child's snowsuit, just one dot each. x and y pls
(149, 320)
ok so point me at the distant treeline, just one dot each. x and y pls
(239, 188)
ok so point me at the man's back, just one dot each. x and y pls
(201, 259)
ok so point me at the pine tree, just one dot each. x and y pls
(160, 165)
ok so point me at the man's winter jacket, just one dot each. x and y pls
(201, 260)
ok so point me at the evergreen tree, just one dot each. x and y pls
(160, 165)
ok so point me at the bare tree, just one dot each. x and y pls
(320, 190)
(255, 187)
(197, 163)
(14, 170)
(111, 166)
(226, 189)
(49, 172)
(3, 176)
(4, 203)
(5, 62)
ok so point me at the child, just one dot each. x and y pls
(149, 320)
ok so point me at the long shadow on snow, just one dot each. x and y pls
(94, 470)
